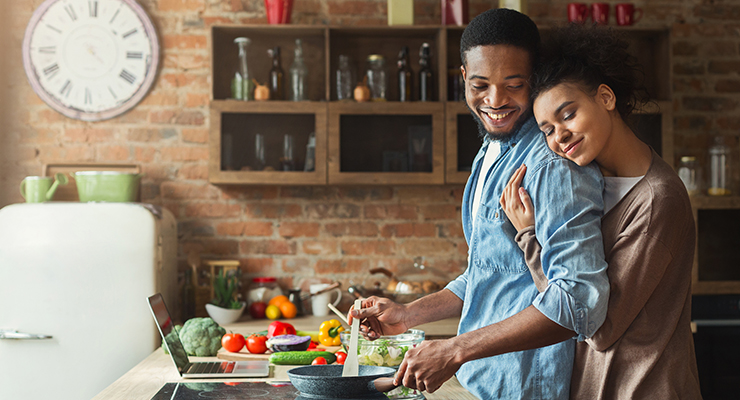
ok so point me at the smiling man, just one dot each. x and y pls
(513, 342)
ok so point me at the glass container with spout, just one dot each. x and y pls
(242, 87)
(719, 168)
(345, 79)
(426, 77)
(298, 74)
(277, 88)
(404, 75)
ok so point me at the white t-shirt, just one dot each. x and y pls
(615, 187)
(493, 150)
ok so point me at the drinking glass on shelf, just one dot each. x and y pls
(286, 162)
(259, 152)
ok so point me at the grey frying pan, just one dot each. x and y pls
(327, 382)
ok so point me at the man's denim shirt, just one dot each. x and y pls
(497, 284)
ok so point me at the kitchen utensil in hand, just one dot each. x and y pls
(339, 313)
(351, 364)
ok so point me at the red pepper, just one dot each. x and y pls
(278, 328)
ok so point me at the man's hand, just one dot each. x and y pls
(430, 364)
(380, 316)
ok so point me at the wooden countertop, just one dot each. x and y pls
(144, 380)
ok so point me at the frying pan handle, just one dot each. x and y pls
(382, 385)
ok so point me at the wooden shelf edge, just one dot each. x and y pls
(715, 287)
(715, 202)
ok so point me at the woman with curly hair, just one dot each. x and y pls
(584, 88)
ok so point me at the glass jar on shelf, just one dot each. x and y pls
(298, 74)
(719, 168)
(688, 171)
(377, 79)
(242, 87)
(345, 79)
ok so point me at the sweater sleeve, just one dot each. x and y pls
(527, 241)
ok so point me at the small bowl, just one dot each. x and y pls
(224, 316)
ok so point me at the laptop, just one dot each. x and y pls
(187, 369)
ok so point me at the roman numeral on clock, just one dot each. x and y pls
(129, 33)
(134, 55)
(71, 12)
(66, 89)
(93, 6)
(127, 76)
(88, 96)
(51, 70)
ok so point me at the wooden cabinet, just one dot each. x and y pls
(390, 142)
(717, 256)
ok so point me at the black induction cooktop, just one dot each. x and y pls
(233, 391)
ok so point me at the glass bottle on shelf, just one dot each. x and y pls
(277, 88)
(298, 74)
(688, 171)
(345, 79)
(719, 168)
(377, 80)
(404, 75)
(426, 77)
(259, 152)
(242, 87)
(286, 162)
(310, 163)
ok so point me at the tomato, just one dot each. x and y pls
(232, 342)
(341, 356)
(318, 361)
(256, 343)
(278, 328)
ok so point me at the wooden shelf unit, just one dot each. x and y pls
(730, 207)
(322, 46)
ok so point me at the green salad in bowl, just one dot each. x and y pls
(388, 351)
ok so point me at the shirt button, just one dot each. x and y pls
(495, 215)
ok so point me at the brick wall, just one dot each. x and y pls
(296, 232)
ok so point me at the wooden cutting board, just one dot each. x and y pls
(244, 355)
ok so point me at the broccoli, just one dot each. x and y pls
(201, 337)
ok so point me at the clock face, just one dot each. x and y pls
(90, 59)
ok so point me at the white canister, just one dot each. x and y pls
(320, 303)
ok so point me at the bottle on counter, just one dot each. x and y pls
(241, 85)
(404, 75)
(426, 76)
(298, 74)
(345, 79)
(188, 296)
(377, 80)
(688, 171)
(719, 166)
(277, 87)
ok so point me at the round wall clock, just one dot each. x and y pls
(90, 59)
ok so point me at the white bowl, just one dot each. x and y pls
(224, 316)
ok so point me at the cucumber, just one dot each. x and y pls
(300, 357)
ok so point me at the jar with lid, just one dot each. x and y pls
(719, 167)
(263, 289)
(689, 173)
(377, 79)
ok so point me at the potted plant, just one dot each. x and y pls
(224, 308)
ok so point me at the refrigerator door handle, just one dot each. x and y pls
(15, 335)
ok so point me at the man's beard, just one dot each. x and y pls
(483, 133)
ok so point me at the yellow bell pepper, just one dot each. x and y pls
(329, 333)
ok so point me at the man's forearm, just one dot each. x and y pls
(434, 307)
(528, 329)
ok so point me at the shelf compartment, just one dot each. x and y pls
(360, 42)
(225, 55)
(462, 142)
(654, 125)
(382, 143)
(234, 125)
(717, 261)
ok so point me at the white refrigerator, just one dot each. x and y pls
(74, 278)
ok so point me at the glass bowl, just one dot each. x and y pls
(388, 351)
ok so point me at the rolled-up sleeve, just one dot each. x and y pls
(568, 205)
(459, 285)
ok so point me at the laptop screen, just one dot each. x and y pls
(168, 332)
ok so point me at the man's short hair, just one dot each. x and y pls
(501, 26)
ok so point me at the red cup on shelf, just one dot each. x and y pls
(627, 14)
(278, 11)
(454, 12)
(577, 12)
(600, 13)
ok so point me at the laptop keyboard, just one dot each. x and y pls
(211, 368)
